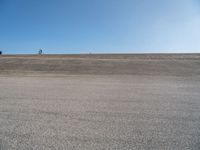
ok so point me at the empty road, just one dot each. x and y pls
(100, 102)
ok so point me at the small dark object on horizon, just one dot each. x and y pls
(40, 52)
(0, 52)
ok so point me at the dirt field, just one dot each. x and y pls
(100, 102)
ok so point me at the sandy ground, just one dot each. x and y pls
(153, 109)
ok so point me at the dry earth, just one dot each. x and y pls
(102, 102)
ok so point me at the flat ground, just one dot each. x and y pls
(88, 102)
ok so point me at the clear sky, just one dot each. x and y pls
(99, 26)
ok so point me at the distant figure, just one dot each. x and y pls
(0, 52)
(40, 51)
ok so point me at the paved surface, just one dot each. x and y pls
(90, 111)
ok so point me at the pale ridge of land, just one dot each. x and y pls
(102, 64)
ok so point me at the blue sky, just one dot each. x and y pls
(100, 26)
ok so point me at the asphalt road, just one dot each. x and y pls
(101, 112)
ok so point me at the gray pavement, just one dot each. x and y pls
(100, 112)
